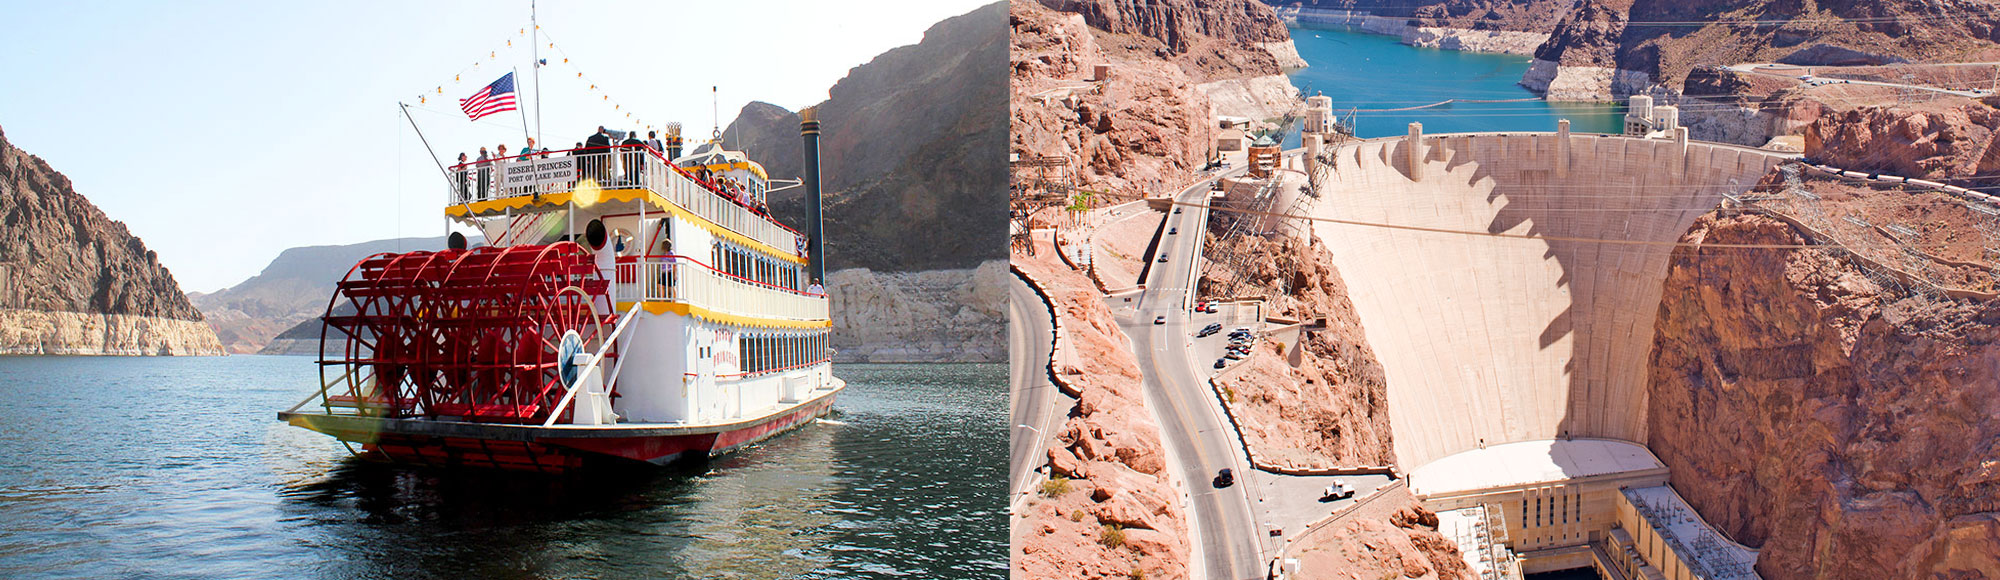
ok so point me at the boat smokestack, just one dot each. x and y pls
(673, 141)
(815, 249)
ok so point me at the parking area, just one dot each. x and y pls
(1292, 502)
(1230, 316)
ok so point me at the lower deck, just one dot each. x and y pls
(446, 441)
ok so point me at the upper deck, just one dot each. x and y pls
(624, 175)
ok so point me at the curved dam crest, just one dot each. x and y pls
(1488, 340)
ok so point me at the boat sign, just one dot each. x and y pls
(540, 172)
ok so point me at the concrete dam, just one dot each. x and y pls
(1508, 284)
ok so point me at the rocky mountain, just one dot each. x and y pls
(911, 151)
(1209, 40)
(292, 289)
(1146, 128)
(1949, 140)
(1844, 427)
(1611, 48)
(75, 281)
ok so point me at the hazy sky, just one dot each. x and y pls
(224, 133)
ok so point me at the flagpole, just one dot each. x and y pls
(536, 26)
(523, 112)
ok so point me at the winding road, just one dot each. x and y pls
(1199, 441)
(1030, 339)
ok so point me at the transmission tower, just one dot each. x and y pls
(1037, 184)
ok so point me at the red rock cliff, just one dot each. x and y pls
(1846, 430)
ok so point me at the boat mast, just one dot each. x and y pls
(535, 46)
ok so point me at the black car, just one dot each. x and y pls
(1224, 478)
(1221, 362)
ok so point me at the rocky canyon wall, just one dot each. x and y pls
(1324, 402)
(1846, 429)
(1607, 49)
(1145, 128)
(1174, 66)
(75, 281)
(931, 316)
(1947, 140)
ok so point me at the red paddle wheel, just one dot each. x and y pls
(479, 335)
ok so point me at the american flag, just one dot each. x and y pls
(495, 98)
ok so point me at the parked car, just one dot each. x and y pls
(1221, 362)
(1209, 330)
(1224, 478)
(1233, 355)
(1161, 319)
(1210, 308)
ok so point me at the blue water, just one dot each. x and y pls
(178, 468)
(1373, 71)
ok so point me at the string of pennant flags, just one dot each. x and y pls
(461, 83)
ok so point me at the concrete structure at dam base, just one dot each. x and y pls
(1508, 284)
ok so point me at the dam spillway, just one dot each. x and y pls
(1489, 339)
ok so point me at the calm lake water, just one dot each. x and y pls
(1373, 71)
(178, 468)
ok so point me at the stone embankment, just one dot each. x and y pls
(25, 331)
(1111, 508)
(1462, 39)
(1497, 26)
(931, 316)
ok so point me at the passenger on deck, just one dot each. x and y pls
(653, 140)
(529, 150)
(464, 185)
(635, 158)
(485, 174)
(597, 158)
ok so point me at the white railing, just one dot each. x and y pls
(684, 280)
(642, 168)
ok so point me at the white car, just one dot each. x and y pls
(1339, 490)
(1161, 319)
